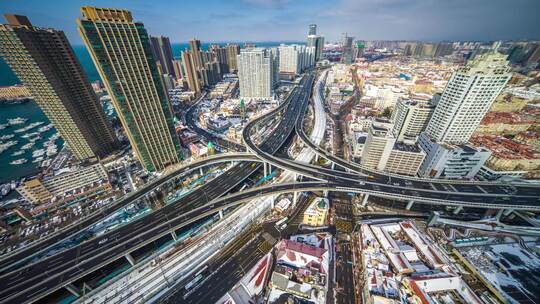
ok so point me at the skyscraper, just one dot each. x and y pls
(161, 48)
(44, 61)
(232, 52)
(121, 51)
(312, 29)
(411, 117)
(255, 73)
(346, 46)
(191, 73)
(316, 41)
(467, 97)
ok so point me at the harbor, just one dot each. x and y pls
(28, 141)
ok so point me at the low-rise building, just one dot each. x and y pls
(508, 158)
(503, 123)
(69, 186)
(451, 161)
(301, 272)
(317, 212)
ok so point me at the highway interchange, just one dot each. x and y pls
(31, 282)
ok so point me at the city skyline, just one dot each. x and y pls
(365, 170)
(284, 20)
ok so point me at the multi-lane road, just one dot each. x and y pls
(36, 280)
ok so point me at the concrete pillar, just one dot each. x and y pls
(316, 157)
(409, 205)
(220, 214)
(295, 176)
(365, 200)
(173, 234)
(507, 212)
(74, 290)
(458, 209)
(273, 198)
(130, 259)
(295, 198)
(201, 171)
(325, 193)
(333, 165)
(265, 169)
(499, 214)
(433, 218)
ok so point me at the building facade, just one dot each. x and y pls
(467, 97)
(255, 73)
(451, 161)
(410, 118)
(45, 62)
(161, 48)
(121, 51)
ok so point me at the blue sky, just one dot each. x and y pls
(282, 20)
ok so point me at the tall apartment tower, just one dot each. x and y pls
(255, 73)
(315, 41)
(467, 98)
(346, 44)
(312, 29)
(190, 72)
(161, 48)
(44, 61)
(411, 117)
(233, 50)
(121, 51)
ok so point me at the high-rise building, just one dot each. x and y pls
(121, 51)
(294, 58)
(233, 50)
(274, 52)
(379, 144)
(220, 54)
(381, 151)
(290, 59)
(316, 41)
(191, 73)
(255, 73)
(161, 48)
(195, 48)
(346, 49)
(45, 62)
(467, 97)
(411, 117)
(312, 29)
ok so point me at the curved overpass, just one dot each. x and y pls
(38, 279)
(15, 258)
(487, 195)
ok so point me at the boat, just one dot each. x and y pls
(19, 161)
(45, 128)
(34, 139)
(17, 153)
(52, 150)
(6, 137)
(37, 160)
(9, 144)
(17, 121)
(38, 153)
(27, 146)
(30, 126)
(46, 163)
(27, 135)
